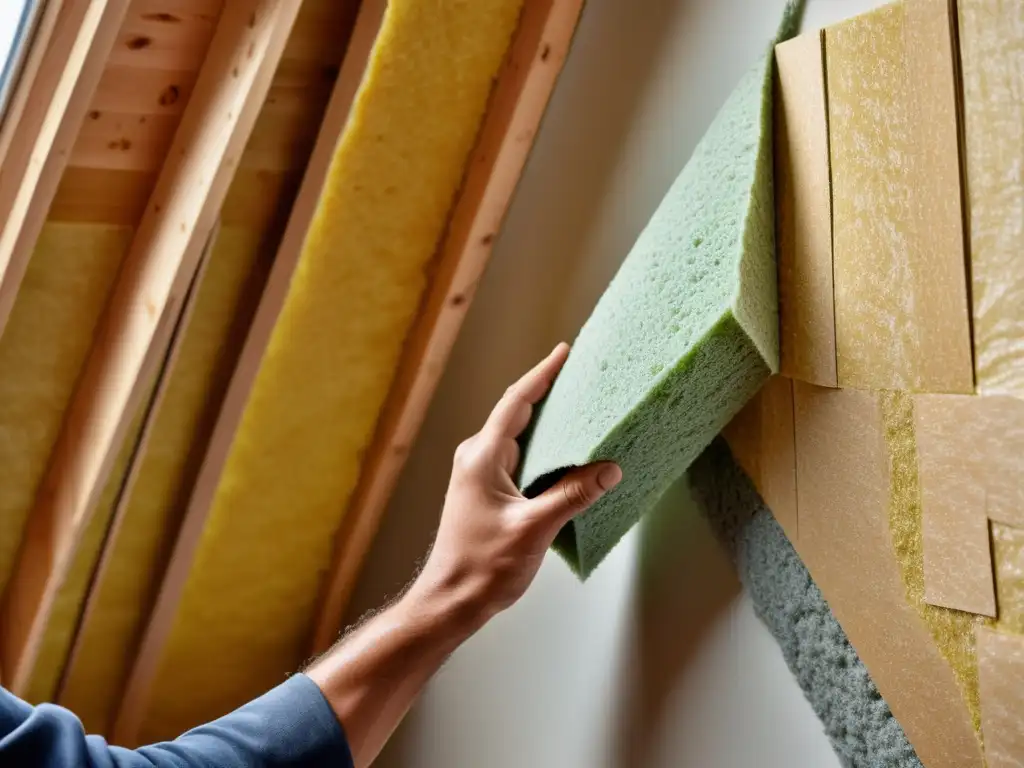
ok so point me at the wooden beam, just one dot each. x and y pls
(98, 708)
(40, 143)
(137, 692)
(517, 105)
(160, 265)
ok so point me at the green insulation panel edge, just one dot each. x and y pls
(683, 337)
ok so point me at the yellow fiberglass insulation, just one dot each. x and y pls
(952, 630)
(42, 350)
(246, 609)
(62, 621)
(137, 551)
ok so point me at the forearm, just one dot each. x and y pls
(372, 677)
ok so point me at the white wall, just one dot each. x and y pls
(657, 660)
(10, 15)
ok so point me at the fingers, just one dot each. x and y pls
(512, 413)
(574, 493)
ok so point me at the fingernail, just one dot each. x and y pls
(609, 477)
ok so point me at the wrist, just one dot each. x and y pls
(451, 606)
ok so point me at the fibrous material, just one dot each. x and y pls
(248, 602)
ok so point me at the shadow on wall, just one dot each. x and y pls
(685, 582)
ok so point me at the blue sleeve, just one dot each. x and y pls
(292, 726)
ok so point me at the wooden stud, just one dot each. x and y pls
(133, 707)
(900, 285)
(803, 204)
(74, 669)
(521, 95)
(41, 144)
(158, 269)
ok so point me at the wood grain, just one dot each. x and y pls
(39, 149)
(899, 266)
(138, 691)
(992, 56)
(518, 102)
(803, 210)
(845, 540)
(134, 113)
(157, 271)
(87, 666)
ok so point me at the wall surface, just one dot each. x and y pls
(10, 15)
(657, 660)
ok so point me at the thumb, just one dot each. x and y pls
(576, 491)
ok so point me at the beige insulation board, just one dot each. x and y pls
(237, 606)
(970, 452)
(803, 212)
(848, 546)
(992, 66)
(899, 264)
(157, 270)
(1001, 673)
(762, 439)
(517, 105)
(150, 510)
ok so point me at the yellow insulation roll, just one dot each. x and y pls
(151, 511)
(66, 610)
(247, 605)
(42, 351)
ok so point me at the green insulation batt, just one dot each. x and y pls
(685, 334)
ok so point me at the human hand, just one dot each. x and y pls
(492, 539)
